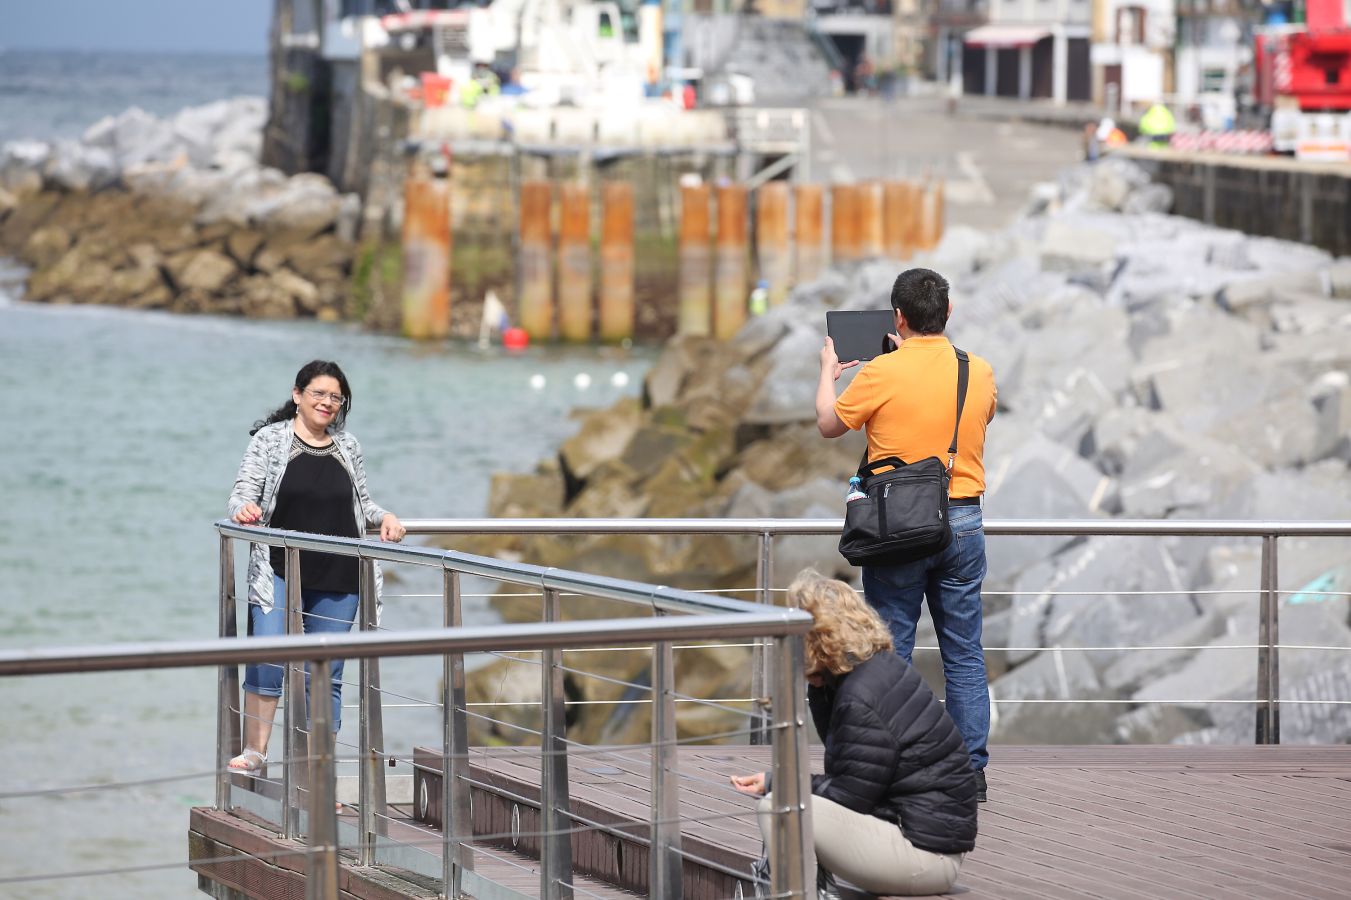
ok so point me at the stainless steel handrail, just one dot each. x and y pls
(556, 849)
(1267, 727)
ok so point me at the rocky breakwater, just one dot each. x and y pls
(176, 214)
(1148, 367)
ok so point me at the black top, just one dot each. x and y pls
(893, 752)
(315, 495)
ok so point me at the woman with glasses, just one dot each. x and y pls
(302, 472)
(895, 811)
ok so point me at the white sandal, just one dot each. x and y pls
(250, 762)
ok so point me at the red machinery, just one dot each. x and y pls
(1304, 79)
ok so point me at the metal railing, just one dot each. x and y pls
(307, 795)
(684, 616)
(1267, 701)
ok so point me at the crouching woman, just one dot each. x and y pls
(895, 810)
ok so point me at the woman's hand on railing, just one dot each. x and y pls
(248, 514)
(391, 529)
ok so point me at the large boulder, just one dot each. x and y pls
(203, 270)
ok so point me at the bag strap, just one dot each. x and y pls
(963, 376)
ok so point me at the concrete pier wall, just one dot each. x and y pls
(1271, 196)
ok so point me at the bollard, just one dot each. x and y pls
(913, 231)
(534, 307)
(574, 262)
(771, 239)
(729, 279)
(870, 220)
(616, 261)
(844, 222)
(808, 220)
(426, 258)
(939, 211)
(897, 210)
(696, 313)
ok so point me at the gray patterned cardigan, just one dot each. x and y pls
(259, 476)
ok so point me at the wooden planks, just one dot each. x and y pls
(1119, 823)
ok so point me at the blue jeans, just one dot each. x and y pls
(951, 581)
(324, 612)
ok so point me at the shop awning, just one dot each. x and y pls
(1000, 36)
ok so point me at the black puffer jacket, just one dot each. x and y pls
(893, 752)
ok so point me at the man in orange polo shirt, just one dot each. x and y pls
(907, 400)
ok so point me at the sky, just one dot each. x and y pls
(172, 26)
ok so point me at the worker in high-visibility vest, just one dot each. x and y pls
(1157, 126)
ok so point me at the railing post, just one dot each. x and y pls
(760, 676)
(664, 880)
(321, 882)
(457, 854)
(294, 744)
(555, 858)
(228, 738)
(371, 737)
(1268, 652)
(792, 856)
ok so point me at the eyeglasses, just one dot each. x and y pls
(316, 396)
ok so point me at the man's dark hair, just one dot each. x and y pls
(922, 297)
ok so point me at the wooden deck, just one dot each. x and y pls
(1062, 822)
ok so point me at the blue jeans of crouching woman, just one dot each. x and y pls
(323, 612)
(951, 582)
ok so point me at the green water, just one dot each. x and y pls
(120, 434)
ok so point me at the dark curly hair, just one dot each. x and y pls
(317, 368)
(921, 295)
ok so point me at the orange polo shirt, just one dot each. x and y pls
(908, 398)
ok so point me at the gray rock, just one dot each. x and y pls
(74, 167)
(1148, 198)
(787, 394)
(1068, 246)
(1061, 601)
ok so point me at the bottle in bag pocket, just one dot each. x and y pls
(855, 490)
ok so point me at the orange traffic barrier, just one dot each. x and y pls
(897, 213)
(535, 307)
(426, 258)
(574, 262)
(695, 315)
(616, 261)
(870, 220)
(844, 224)
(730, 263)
(808, 227)
(771, 239)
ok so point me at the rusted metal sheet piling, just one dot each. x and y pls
(616, 261)
(695, 315)
(930, 205)
(898, 215)
(809, 217)
(426, 258)
(535, 307)
(729, 283)
(870, 220)
(574, 262)
(771, 239)
(844, 224)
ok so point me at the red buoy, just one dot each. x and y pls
(515, 338)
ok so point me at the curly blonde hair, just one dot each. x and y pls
(847, 630)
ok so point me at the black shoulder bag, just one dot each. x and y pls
(904, 516)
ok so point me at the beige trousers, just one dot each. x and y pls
(870, 853)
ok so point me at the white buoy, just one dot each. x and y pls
(620, 379)
(581, 381)
(537, 382)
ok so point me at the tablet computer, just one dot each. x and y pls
(860, 333)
